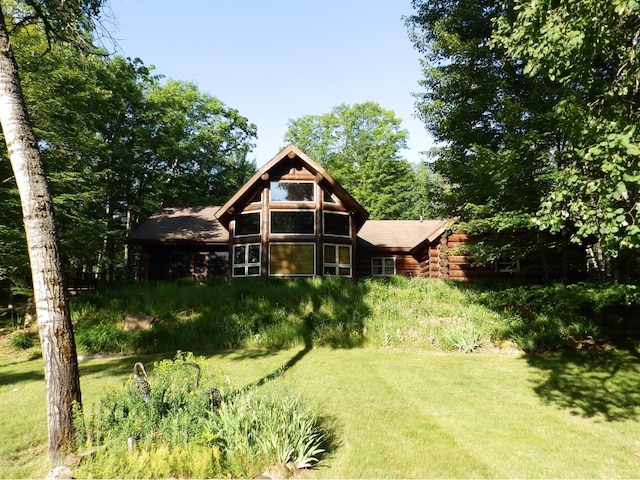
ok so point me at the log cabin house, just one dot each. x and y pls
(292, 219)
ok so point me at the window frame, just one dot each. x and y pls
(336, 265)
(272, 211)
(246, 264)
(235, 225)
(311, 244)
(309, 182)
(383, 267)
(328, 197)
(343, 214)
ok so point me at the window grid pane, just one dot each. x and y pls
(247, 224)
(383, 266)
(246, 260)
(337, 260)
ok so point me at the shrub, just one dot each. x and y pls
(23, 339)
(463, 337)
(184, 429)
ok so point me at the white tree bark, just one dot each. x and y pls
(56, 331)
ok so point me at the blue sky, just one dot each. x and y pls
(275, 60)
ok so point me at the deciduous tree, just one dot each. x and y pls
(360, 145)
(491, 120)
(591, 49)
(56, 331)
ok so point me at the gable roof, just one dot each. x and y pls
(400, 234)
(322, 177)
(191, 225)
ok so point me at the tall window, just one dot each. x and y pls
(293, 192)
(383, 266)
(337, 260)
(292, 259)
(293, 221)
(336, 224)
(247, 224)
(246, 260)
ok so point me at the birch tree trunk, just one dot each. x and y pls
(54, 321)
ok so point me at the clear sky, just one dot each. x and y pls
(275, 60)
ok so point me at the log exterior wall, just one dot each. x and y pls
(406, 264)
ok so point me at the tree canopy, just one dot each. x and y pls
(360, 146)
(118, 142)
(534, 105)
(590, 50)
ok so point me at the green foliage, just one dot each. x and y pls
(23, 339)
(360, 146)
(184, 431)
(536, 104)
(396, 313)
(496, 126)
(118, 142)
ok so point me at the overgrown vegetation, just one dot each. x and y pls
(189, 427)
(397, 313)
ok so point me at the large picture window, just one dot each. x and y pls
(292, 259)
(246, 260)
(293, 222)
(247, 224)
(336, 224)
(383, 266)
(293, 192)
(337, 260)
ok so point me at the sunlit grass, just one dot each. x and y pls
(405, 414)
(400, 406)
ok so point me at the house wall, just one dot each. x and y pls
(287, 254)
(434, 259)
(170, 262)
(406, 264)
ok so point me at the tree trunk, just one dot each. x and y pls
(56, 331)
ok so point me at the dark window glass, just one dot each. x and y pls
(293, 191)
(336, 224)
(292, 222)
(247, 224)
(327, 198)
(238, 255)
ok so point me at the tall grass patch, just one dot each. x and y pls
(393, 313)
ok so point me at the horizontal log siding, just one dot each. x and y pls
(406, 264)
(434, 262)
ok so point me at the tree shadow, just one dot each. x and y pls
(599, 383)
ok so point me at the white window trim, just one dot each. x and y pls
(384, 273)
(315, 269)
(315, 192)
(271, 232)
(324, 212)
(339, 265)
(235, 233)
(245, 264)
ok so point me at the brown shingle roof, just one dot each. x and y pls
(182, 225)
(402, 234)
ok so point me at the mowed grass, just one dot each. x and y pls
(402, 414)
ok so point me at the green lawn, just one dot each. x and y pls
(406, 414)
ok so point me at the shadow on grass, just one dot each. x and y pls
(603, 382)
(246, 313)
